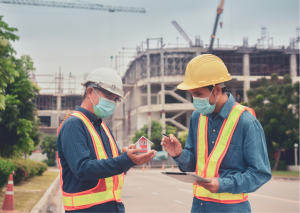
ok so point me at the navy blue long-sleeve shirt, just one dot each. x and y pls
(245, 167)
(81, 169)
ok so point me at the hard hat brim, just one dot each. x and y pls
(184, 86)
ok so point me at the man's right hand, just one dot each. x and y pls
(172, 145)
(141, 158)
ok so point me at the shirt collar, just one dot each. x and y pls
(93, 118)
(226, 109)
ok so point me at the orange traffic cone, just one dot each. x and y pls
(172, 167)
(9, 200)
(162, 167)
(143, 168)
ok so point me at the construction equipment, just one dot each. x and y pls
(176, 25)
(87, 6)
(219, 11)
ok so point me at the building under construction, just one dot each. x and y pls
(150, 86)
(151, 78)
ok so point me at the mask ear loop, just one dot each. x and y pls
(211, 93)
(96, 94)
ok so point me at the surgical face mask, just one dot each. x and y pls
(203, 106)
(104, 108)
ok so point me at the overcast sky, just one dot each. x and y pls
(80, 41)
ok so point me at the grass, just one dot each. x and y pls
(29, 192)
(288, 174)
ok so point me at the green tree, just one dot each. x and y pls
(156, 137)
(277, 108)
(18, 118)
(48, 146)
(182, 137)
(7, 66)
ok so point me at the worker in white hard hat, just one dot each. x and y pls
(225, 144)
(91, 165)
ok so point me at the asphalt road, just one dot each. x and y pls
(150, 191)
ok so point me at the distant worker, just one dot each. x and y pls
(225, 143)
(91, 165)
(238, 98)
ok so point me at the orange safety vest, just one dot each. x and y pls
(208, 166)
(107, 189)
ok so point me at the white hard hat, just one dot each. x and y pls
(106, 78)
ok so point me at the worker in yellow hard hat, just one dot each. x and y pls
(225, 144)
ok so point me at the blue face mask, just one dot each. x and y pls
(104, 108)
(203, 106)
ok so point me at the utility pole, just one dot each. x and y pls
(148, 90)
(162, 69)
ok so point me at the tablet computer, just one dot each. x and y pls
(186, 177)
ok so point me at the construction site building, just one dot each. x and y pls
(151, 78)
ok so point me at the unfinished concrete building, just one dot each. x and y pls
(151, 78)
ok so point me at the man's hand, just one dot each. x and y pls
(172, 145)
(125, 149)
(141, 158)
(213, 186)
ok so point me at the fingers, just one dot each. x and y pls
(173, 138)
(135, 150)
(131, 146)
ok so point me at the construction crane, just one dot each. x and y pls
(219, 11)
(74, 5)
(176, 25)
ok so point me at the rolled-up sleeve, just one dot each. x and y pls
(186, 160)
(77, 154)
(258, 171)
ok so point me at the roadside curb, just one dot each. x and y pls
(284, 178)
(44, 203)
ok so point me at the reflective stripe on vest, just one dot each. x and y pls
(108, 189)
(209, 166)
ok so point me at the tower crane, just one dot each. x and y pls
(74, 5)
(176, 25)
(219, 11)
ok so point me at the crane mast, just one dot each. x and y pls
(74, 5)
(219, 11)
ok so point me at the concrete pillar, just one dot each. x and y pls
(233, 92)
(148, 90)
(58, 103)
(58, 110)
(246, 74)
(293, 67)
(162, 93)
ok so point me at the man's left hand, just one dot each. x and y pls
(213, 186)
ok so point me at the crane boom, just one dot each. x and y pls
(176, 25)
(219, 11)
(74, 5)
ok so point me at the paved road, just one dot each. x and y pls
(151, 191)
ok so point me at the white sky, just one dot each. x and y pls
(80, 41)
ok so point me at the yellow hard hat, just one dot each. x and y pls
(204, 70)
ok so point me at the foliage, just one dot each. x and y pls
(277, 108)
(18, 118)
(6, 168)
(156, 137)
(183, 137)
(49, 146)
(7, 66)
(50, 162)
(26, 168)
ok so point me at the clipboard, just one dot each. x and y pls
(186, 177)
